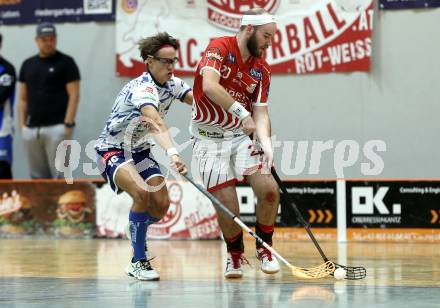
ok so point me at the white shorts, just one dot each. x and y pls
(223, 163)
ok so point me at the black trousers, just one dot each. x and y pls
(5, 170)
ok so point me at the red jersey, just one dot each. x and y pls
(248, 83)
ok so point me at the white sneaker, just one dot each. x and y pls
(128, 235)
(233, 264)
(141, 270)
(269, 264)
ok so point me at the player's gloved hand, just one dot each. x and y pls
(248, 125)
(178, 164)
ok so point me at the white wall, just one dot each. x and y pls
(397, 102)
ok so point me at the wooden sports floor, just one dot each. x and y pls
(90, 273)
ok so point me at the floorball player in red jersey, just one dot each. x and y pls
(230, 92)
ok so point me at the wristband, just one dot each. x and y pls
(172, 151)
(238, 110)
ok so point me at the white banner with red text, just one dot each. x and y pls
(313, 36)
(190, 215)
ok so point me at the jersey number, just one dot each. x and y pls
(225, 71)
(113, 160)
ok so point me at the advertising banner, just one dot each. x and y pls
(408, 4)
(412, 209)
(315, 36)
(50, 208)
(190, 216)
(378, 211)
(19, 12)
(315, 200)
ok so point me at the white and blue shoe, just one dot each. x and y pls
(142, 270)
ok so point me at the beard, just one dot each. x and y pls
(252, 46)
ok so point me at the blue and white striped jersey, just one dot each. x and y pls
(124, 129)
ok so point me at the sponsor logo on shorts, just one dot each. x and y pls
(214, 135)
(217, 135)
(109, 154)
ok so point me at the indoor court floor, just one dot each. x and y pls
(90, 273)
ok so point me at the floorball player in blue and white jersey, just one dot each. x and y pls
(124, 145)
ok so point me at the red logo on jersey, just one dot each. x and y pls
(109, 154)
(149, 89)
(214, 54)
(227, 14)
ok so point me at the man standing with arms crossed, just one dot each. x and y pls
(48, 100)
(230, 92)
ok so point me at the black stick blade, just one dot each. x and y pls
(353, 272)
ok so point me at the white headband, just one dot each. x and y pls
(257, 20)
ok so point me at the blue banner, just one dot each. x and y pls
(408, 4)
(19, 12)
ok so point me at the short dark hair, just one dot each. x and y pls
(150, 46)
(254, 11)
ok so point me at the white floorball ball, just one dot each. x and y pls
(339, 273)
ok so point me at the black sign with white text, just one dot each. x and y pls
(315, 200)
(19, 12)
(408, 4)
(394, 204)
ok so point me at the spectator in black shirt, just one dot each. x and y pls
(48, 101)
(7, 92)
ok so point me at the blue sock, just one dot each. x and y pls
(139, 223)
